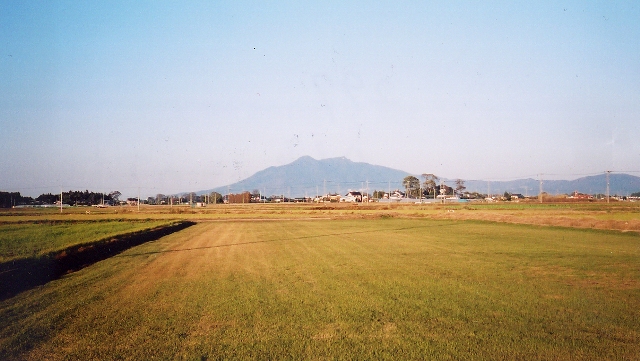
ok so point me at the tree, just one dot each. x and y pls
(460, 186)
(216, 198)
(10, 199)
(48, 198)
(412, 185)
(192, 197)
(115, 197)
(430, 182)
(78, 198)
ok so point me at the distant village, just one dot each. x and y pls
(431, 190)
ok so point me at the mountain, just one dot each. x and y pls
(308, 176)
(620, 184)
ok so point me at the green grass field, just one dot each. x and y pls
(34, 239)
(343, 289)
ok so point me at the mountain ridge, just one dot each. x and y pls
(307, 176)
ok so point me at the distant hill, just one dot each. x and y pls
(620, 184)
(306, 176)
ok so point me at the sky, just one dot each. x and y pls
(164, 97)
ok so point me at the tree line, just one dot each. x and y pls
(160, 199)
(12, 199)
(430, 187)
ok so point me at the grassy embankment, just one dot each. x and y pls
(343, 289)
(33, 253)
(37, 239)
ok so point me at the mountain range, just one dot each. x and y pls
(619, 184)
(307, 176)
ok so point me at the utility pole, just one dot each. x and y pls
(488, 189)
(608, 172)
(540, 194)
(406, 190)
(60, 200)
(368, 192)
(138, 199)
(324, 190)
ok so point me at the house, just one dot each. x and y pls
(394, 195)
(578, 195)
(352, 197)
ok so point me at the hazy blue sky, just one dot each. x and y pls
(175, 97)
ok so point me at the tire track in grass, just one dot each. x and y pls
(244, 242)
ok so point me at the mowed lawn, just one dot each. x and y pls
(343, 289)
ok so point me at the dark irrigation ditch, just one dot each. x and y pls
(24, 274)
